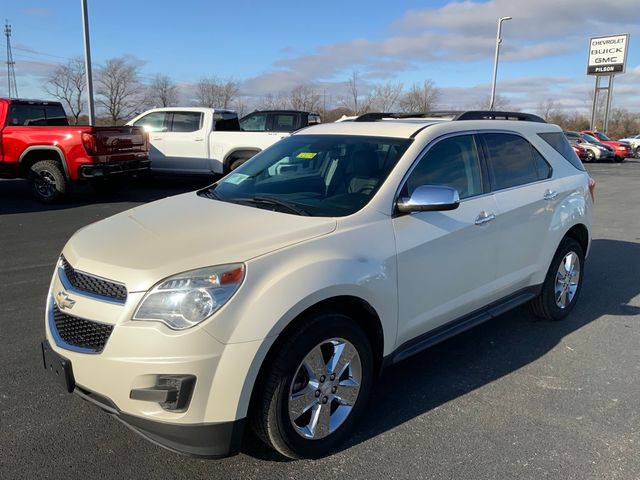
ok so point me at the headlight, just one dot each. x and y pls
(187, 299)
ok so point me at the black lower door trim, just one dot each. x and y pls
(459, 325)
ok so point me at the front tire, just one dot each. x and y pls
(637, 152)
(48, 182)
(316, 388)
(562, 285)
(591, 157)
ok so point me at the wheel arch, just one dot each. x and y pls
(580, 233)
(361, 311)
(238, 153)
(36, 153)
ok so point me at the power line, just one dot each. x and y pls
(11, 70)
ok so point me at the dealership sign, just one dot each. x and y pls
(608, 55)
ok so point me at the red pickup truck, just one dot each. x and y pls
(622, 149)
(37, 143)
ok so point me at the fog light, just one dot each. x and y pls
(172, 392)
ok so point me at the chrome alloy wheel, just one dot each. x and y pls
(567, 280)
(325, 388)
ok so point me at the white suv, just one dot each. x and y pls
(275, 296)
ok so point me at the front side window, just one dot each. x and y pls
(511, 161)
(318, 175)
(452, 162)
(186, 122)
(256, 122)
(154, 122)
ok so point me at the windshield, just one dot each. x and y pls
(602, 136)
(318, 175)
(590, 139)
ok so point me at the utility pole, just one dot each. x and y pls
(11, 71)
(495, 62)
(87, 61)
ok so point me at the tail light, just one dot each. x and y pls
(592, 189)
(89, 143)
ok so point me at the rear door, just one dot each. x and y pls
(526, 195)
(447, 259)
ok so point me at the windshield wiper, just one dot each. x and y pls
(209, 193)
(259, 200)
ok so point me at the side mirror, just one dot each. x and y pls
(429, 198)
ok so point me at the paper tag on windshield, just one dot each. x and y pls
(236, 178)
(307, 155)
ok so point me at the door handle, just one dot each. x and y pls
(199, 139)
(484, 217)
(156, 138)
(550, 194)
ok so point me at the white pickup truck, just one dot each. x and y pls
(200, 140)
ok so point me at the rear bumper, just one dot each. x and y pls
(101, 170)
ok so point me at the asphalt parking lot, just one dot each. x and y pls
(515, 398)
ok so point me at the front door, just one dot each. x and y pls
(446, 259)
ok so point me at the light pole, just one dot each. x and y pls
(495, 62)
(87, 61)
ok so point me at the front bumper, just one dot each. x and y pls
(101, 170)
(210, 440)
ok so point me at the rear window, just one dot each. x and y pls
(36, 116)
(560, 144)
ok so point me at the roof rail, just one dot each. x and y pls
(454, 115)
(499, 115)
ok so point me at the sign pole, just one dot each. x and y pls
(595, 102)
(606, 108)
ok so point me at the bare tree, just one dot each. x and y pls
(119, 89)
(420, 97)
(384, 98)
(548, 108)
(500, 103)
(272, 102)
(214, 93)
(304, 98)
(162, 92)
(67, 83)
(355, 101)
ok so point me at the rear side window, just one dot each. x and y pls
(560, 144)
(36, 116)
(186, 122)
(513, 161)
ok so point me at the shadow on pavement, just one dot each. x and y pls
(492, 350)
(16, 197)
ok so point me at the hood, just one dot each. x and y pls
(142, 246)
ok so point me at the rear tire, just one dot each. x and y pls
(306, 404)
(637, 152)
(562, 285)
(236, 162)
(48, 182)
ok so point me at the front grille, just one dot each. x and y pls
(97, 286)
(79, 332)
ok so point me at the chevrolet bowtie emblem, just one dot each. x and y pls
(64, 301)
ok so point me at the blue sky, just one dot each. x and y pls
(274, 46)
